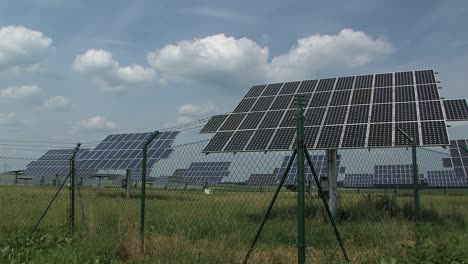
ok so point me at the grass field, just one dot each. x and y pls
(191, 227)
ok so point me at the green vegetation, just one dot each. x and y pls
(191, 227)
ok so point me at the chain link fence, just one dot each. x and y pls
(207, 208)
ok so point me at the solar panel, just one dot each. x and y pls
(214, 124)
(394, 174)
(445, 178)
(458, 158)
(205, 173)
(456, 109)
(379, 103)
(358, 180)
(53, 162)
(320, 165)
(261, 180)
(124, 151)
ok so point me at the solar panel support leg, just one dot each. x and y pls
(272, 202)
(332, 181)
(325, 204)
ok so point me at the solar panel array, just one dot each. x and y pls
(346, 112)
(458, 160)
(124, 151)
(358, 180)
(320, 165)
(445, 178)
(54, 161)
(261, 180)
(206, 173)
(394, 174)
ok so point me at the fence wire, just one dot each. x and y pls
(206, 208)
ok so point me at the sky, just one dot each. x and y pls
(76, 71)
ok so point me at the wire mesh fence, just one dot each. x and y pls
(208, 208)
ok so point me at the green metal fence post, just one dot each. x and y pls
(417, 216)
(72, 188)
(300, 179)
(143, 190)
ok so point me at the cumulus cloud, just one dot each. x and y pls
(19, 92)
(214, 60)
(228, 63)
(189, 112)
(107, 72)
(222, 60)
(97, 123)
(21, 47)
(56, 103)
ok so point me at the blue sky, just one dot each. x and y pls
(75, 71)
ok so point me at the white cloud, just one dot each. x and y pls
(347, 49)
(94, 61)
(57, 103)
(227, 62)
(19, 92)
(107, 72)
(97, 123)
(197, 110)
(214, 60)
(21, 47)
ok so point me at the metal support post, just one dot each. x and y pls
(332, 181)
(300, 179)
(143, 190)
(414, 153)
(325, 204)
(72, 188)
(127, 188)
(270, 207)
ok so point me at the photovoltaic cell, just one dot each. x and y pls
(282, 102)
(326, 84)
(213, 124)
(330, 137)
(405, 112)
(430, 110)
(245, 105)
(272, 89)
(255, 91)
(232, 122)
(260, 139)
(428, 92)
(336, 115)
(307, 86)
(380, 135)
(252, 120)
(434, 133)
(381, 113)
(425, 76)
(289, 88)
(345, 83)
(404, 78)
(383, 95)
(340, 98)
(361, 96)
(320, 99)
(289, 119)
(314, 116)
(354, 136)
(263, 103)
(383, 80)
(404, 94)
(358, 114)
(218, 141)
(239, 140)
(310, 135)
(410, 128)
(271, 119)
(456, 109)
(363, 81)
(283, 139)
